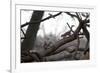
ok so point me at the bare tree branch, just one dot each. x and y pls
(58, 56)
(70, 27)
(23, 32)
(65, 40)
(78, 17)
(54, 48)
(73, 15)
(53, 16)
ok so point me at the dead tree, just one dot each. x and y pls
(27, 44)
(71, 38)
(30, 36)
(31, 32)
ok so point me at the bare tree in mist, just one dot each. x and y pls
(54, 51)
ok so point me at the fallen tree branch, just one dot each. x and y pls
(63, 41)
(48, 56)
(59, 56)
(69, 48)
(67, 39)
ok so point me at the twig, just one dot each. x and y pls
(23, 32)
(78, 17)
(70, 28)
(72, 15)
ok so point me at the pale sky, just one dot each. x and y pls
(55, 26)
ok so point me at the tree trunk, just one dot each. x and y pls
(31, 32)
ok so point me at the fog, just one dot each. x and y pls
(54, 26)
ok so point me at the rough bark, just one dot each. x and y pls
(31, 32)
(59, 56)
